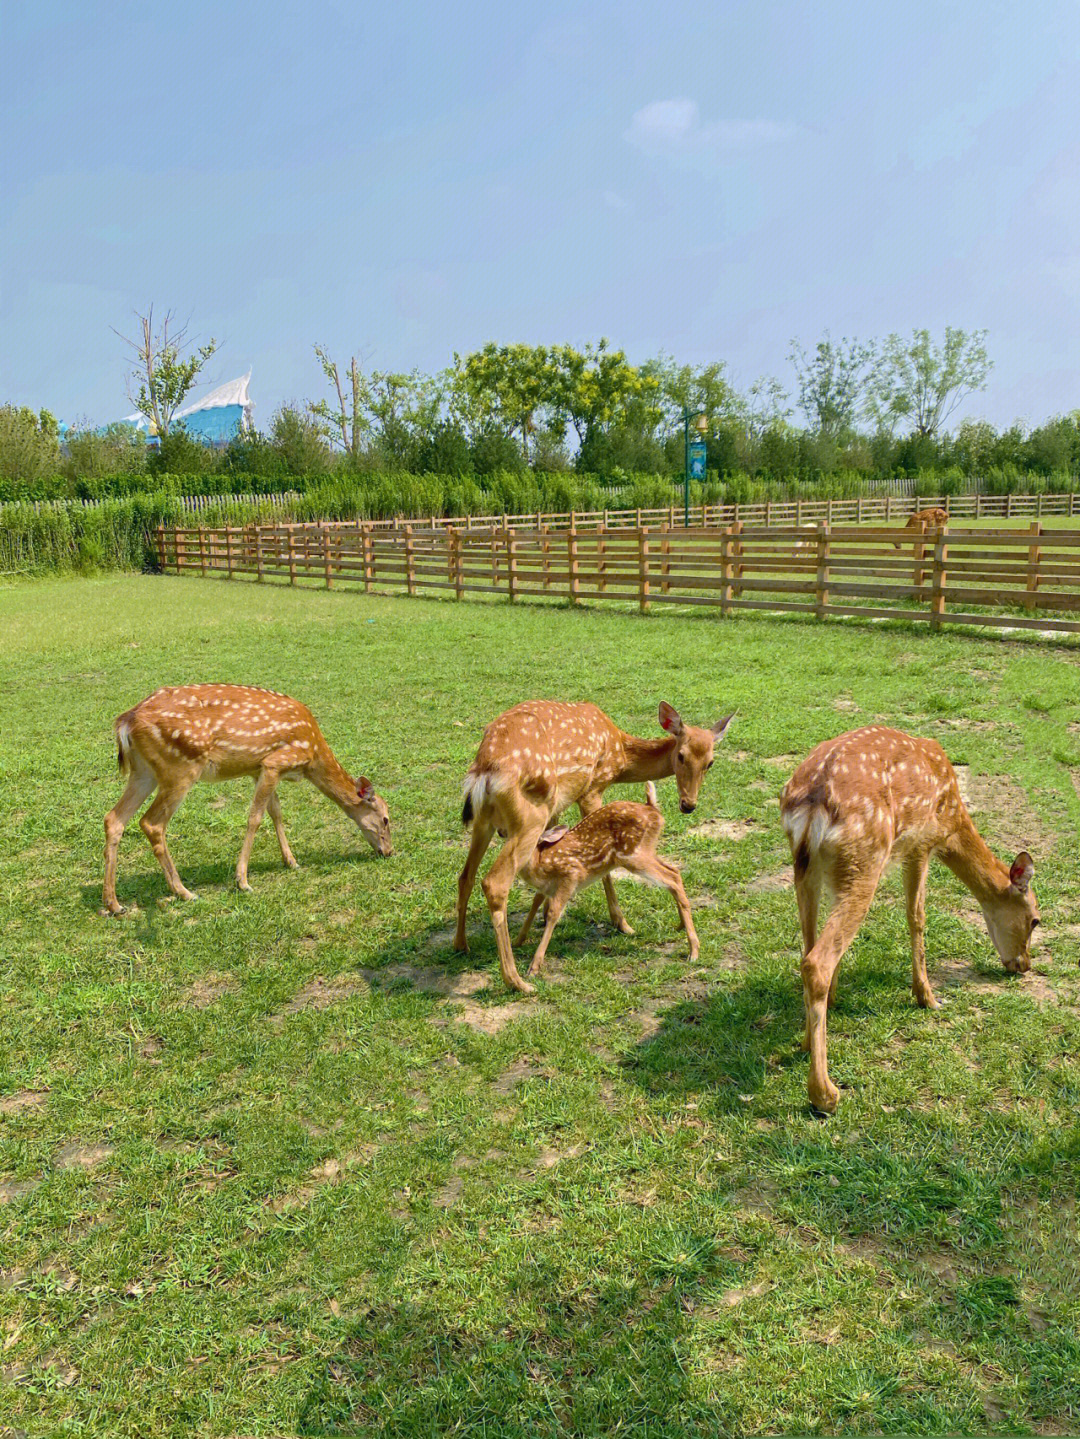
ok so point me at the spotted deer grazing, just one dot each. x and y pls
(536, 760)
(617, 835)
(188, 733)
(858, 802)
(923, 520)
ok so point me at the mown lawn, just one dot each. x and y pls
(285, 1163)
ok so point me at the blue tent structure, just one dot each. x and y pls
(215, 419)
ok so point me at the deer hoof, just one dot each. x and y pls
(112, 911)
(625, 928)
(827, 1101)
(243, 885)
(185, 894)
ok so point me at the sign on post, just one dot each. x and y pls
(697, 461)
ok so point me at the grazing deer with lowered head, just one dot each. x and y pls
(180, 736)
(923, 520)
(537, 759)
(854, 804)
(620, 835)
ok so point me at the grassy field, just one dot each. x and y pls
(284, 1163)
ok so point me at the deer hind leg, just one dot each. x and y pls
(808, 895)
(915, 870)
(482, 832)
(141, 784)
(589, 804)
(652, 867)
(273, 804)
(818, 972)
(523, 932)
(552, 915)
(526, 829)
(155, 821)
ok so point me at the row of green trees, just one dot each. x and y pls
(865, 410)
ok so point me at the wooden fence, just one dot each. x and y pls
(1019, 578)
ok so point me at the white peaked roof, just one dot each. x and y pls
(232, 392)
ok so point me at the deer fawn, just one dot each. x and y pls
(923, 520)
(540, 757)
(180, 736)
(620, 834)
(857, 802)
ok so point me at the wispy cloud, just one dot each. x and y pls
(675, 130)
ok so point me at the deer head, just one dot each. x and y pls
(372, 817)
(693, 754)
(1012, 916)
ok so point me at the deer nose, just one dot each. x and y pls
(687, 806)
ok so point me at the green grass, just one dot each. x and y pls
(250, 1203)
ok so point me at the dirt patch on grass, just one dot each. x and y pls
(487, 1018)
(550, 1155)
(525, 1068)
(81, 1154)
(23, 1099)
(207, 990)
(781, 761)
(428, 979)
(321, 993)
(734, 829)
(12, 1189)
(1004, 812)
(770, 883)
(844, 704)
(328, 1171)
(962, 974)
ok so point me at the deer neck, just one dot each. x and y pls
(645, 759)
(973, 862)
(327, 775)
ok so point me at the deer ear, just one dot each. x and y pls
(670, 719)
(365, 790)
(1023, 867)
(719, 729)
(552, 836)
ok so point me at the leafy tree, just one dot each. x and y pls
(594, 388)
(298, 440)
(507, 387)
(163, 374)
(920, 381)
(29, 447)
(91, 454)
(831, 383)
(701, 390)
(347, 424)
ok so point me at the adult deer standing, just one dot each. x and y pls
(540, 757)
(923, 520)
(857, 802)
(188, 733)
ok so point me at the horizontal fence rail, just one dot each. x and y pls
(1023, 578)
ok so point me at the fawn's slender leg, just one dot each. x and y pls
(818, 971)
(523, 933)
(141, 784)
(651, 866)
(552, 914)
(807, 892)
(499, 880)
(274, 806)
(155, 822)
(482, 833)
(589, 804)
(915, 870)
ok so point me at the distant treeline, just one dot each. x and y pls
(860, 412)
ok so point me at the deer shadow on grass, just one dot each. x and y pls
(143, 885)
(413, 1367)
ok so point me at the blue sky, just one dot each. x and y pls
(404, 180)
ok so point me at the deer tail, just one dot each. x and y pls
(650, 794)
(123, 741)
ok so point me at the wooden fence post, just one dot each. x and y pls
(572, 565)
(937, 602)
(643, 570)
(601, 558)
(545, 556)
(455, 551)
(292, 557)
(410, 577)
(737, 552)
(202, 550)
(1034, 556)
(326, 557)
(665, 563)
(1008, 506)
(888, 507)
(821, 590)
(725, 572)
(511, 565)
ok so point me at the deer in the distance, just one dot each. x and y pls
(536, 760)
(858, 802)
(923, 520)
(179, 736)
(620, 835)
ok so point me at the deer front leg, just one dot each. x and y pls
(497, 884)
(589, 804)
(523, 933)
(274, 806)
(552, 914)
(482, 833)
(915, 871)
(273, 768)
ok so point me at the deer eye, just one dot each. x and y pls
(1035, 924)
(710, 764)
(682, 758)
